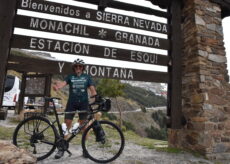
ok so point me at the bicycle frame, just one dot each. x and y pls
(52, 135)
(76, 131)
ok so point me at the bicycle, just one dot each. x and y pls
(102, 141)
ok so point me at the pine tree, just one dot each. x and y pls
(111, 88)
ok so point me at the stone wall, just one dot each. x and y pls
(205, 88)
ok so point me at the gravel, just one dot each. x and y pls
(132, 154)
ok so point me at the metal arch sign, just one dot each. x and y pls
(88, 31)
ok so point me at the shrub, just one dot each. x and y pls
(156, 133)
(129, 125)
(143, 109)
(110, 116)
(159, 117)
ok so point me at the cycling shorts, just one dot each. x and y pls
(74, 106)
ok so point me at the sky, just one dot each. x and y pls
(226, 27)
(97, 61)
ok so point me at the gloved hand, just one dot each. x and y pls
(98, 98)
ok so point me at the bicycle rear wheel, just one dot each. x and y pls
(36, 135)
(107, 149)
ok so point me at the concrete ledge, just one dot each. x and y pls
(3, 114)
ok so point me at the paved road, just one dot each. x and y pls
(139, 110)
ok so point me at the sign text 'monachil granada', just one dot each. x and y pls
(74, 29)
(93, 15)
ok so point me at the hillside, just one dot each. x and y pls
(157, 88)
(144, 97)
(139, 122)
(30, 54)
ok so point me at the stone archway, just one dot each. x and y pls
(205, 87)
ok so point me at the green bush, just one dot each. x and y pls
(156, 133)
(159, 117)
(143, 109)
(129, 125)
(110, 116)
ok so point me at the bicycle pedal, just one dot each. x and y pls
(70, 154)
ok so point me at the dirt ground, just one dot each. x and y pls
(132, 154)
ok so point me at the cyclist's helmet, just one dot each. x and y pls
(78, 62)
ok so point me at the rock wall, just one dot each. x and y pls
(10, 154)
(205, 88)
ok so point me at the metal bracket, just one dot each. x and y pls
(103, 4)
(161, 3)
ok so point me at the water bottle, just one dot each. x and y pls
(75, 126)
(65, 129)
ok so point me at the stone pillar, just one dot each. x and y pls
(205, 88)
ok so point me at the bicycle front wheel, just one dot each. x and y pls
(36, 135)
(107, 149)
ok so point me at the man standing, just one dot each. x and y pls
(79, 83)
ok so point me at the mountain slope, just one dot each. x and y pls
(144, 97)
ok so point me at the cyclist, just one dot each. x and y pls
(79, 83)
